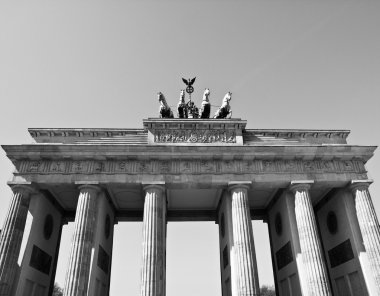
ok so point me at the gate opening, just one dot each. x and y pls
(192, 259)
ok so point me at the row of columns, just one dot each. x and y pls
(154, 239)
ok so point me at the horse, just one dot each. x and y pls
(225, 110)
(205, 109)
(165, 111)
(182, 106)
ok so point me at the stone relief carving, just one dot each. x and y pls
(122, 167)
(57, 166)
(77, 166)
(188, 166)
(34, 166)
(99, 167)
(185, 167)
(194, 136)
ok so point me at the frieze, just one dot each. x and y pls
(194, 136)
(188, 166)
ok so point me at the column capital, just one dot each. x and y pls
(298, 185)
(92, 185)
(24, 187)
(359, 185)
(160, 185)
(239, 185)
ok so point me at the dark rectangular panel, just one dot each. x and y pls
(103, 259)
(225, 256)
(40, 260)
(284, 255)
(341, 254)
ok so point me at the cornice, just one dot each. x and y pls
(144, 152)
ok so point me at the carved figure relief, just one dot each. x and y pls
(194, 136)
(207, 166)
(290, 166)
(347, 165)
(268, 166)
(122, 166)
(327, 165)
(34, 166)
(143, 166)
(186, 166)
(57, 166)
(309, 165)
(77, 166)
(165, 166)
(99, 167)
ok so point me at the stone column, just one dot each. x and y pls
(316, 275)
(246, 276)
(77, 275)
(153, 273)
(369, 225)
(11, 236)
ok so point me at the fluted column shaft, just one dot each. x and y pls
(369, 227)
(11, 237)
(312, 257)
(153, 273)
(244, 247)
(77, 275)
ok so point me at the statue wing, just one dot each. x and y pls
(185, 81)
(192, 81)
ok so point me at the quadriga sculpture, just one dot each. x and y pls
(165, 111)
(182, 106)
(205, 109)
(225, 110)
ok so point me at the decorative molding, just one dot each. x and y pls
(294, 133)
(83, 132)
(162, 167)
(194, 136)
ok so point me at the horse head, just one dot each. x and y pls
(206, 95)
(161, 99)
(226, 99)
(182, 96)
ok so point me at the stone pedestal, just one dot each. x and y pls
(77, 276)
(369, 226)
(11, 237)
(317, 282)
(153, 274)
(247, 282)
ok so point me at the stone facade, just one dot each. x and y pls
(310, 186)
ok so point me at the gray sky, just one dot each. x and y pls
(289, 64)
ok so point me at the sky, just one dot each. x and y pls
(288, 64)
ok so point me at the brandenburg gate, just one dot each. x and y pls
(310, 186)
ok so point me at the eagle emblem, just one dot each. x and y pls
(189, 82)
